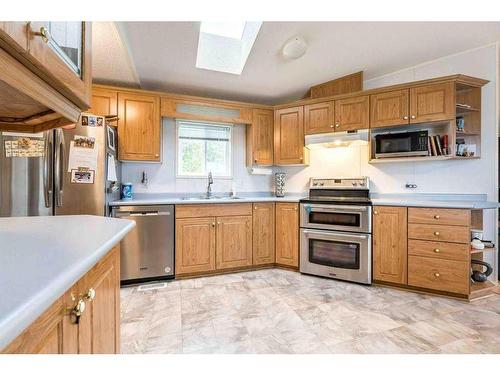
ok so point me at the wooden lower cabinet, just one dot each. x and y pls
(234, 242)
(287, 234)
(195, 245)
(98, 330)
(263, 233)
(390, 244)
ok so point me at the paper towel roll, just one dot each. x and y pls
(261, 171)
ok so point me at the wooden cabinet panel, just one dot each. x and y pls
(446, 216)
(139, 127)
(352, 113)
(194, 245)
(287, 234)
(263, 233)
(289, 136)
(438, 274)
(76, 85)
(99, 327)
(15, 34)
(318, 118)
(432, 103)
(260, 138)
(389, 108)
(445, 233)
(444, 250)
(234, 242)
(212, 210)
(390, 244)
(104, 102)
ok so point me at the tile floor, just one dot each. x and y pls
(279, 311)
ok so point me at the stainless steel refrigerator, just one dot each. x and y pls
(36, 178)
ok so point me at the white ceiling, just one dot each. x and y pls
(164, 55)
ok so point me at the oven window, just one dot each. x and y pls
(337, 218)
(334, 253)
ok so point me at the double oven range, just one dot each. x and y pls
(335, 229)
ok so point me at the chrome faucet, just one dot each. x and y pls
(209, 186)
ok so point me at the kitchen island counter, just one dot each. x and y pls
(42, 257)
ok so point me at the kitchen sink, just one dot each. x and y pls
(208, 198)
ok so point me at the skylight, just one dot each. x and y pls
(225, 46)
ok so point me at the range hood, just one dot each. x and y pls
(336, 139)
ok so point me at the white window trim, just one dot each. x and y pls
(231, 156)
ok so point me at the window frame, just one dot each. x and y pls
(231, 149)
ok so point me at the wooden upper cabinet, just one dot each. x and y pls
(194, 245)
(389, 108)
(260, 138)
(287, 234)
(352, 113)
(62, 53)
(104, 102)
(434, 102)
(263, 233)
(139, 127)
(318, 118)
(390, 239)
(234, 242)
(15, 34)
(289, 136)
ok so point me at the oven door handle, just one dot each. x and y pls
(361, 236)
(334, 208)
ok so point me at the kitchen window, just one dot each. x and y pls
(203, 148)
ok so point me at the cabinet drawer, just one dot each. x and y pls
(207, 210)
(438, 274)
(443, 250)
(445, 233)
(443, 216)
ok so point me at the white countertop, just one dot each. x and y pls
(466, 201)
(41, 257)
(174, 198)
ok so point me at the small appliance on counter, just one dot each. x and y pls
(335, 229)
(279, 184)
(127, 192)
(400, 144)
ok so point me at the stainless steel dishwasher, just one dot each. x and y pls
(147, 252)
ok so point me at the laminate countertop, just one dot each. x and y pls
(42, 257)
(144, 199)
(465, 201)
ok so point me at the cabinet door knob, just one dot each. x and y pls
(77, 311)
(375, 212)
(437, 274)
(337, 125)
(44, 34)
(436, 233)
(255, 160)
(405, 118)
(436, 216)
(255, 207)
(331, 126)
(157, 155)
(90, 294)
(413, 116)
(437, 250)
(213, 224)
(218, 223)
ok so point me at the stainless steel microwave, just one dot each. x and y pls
(391, 145)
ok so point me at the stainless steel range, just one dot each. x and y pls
(335, 229)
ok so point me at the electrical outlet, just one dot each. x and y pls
(411, 186)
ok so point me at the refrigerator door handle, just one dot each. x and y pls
(59, 167)
(46, 162)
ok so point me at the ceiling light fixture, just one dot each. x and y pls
(294, 48)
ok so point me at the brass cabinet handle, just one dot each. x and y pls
(375, 212)
(218, 223)
(43, 33)
(331, 126)
(157, 155)
(437, 250)
(77, 311)
(255, 160)
(413, 116)
(255, 207)
(437, 274)
(436, 216)
(90, 294)
(337, 125)
(405, 118)
(436, 233)
(301, 159)
(213, 224)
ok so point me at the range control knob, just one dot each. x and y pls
(362, 183)
(315, 184)
(321, 183)
(354, 183)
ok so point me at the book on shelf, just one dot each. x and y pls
(433, 146)
(439, 150)
(438, 145)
